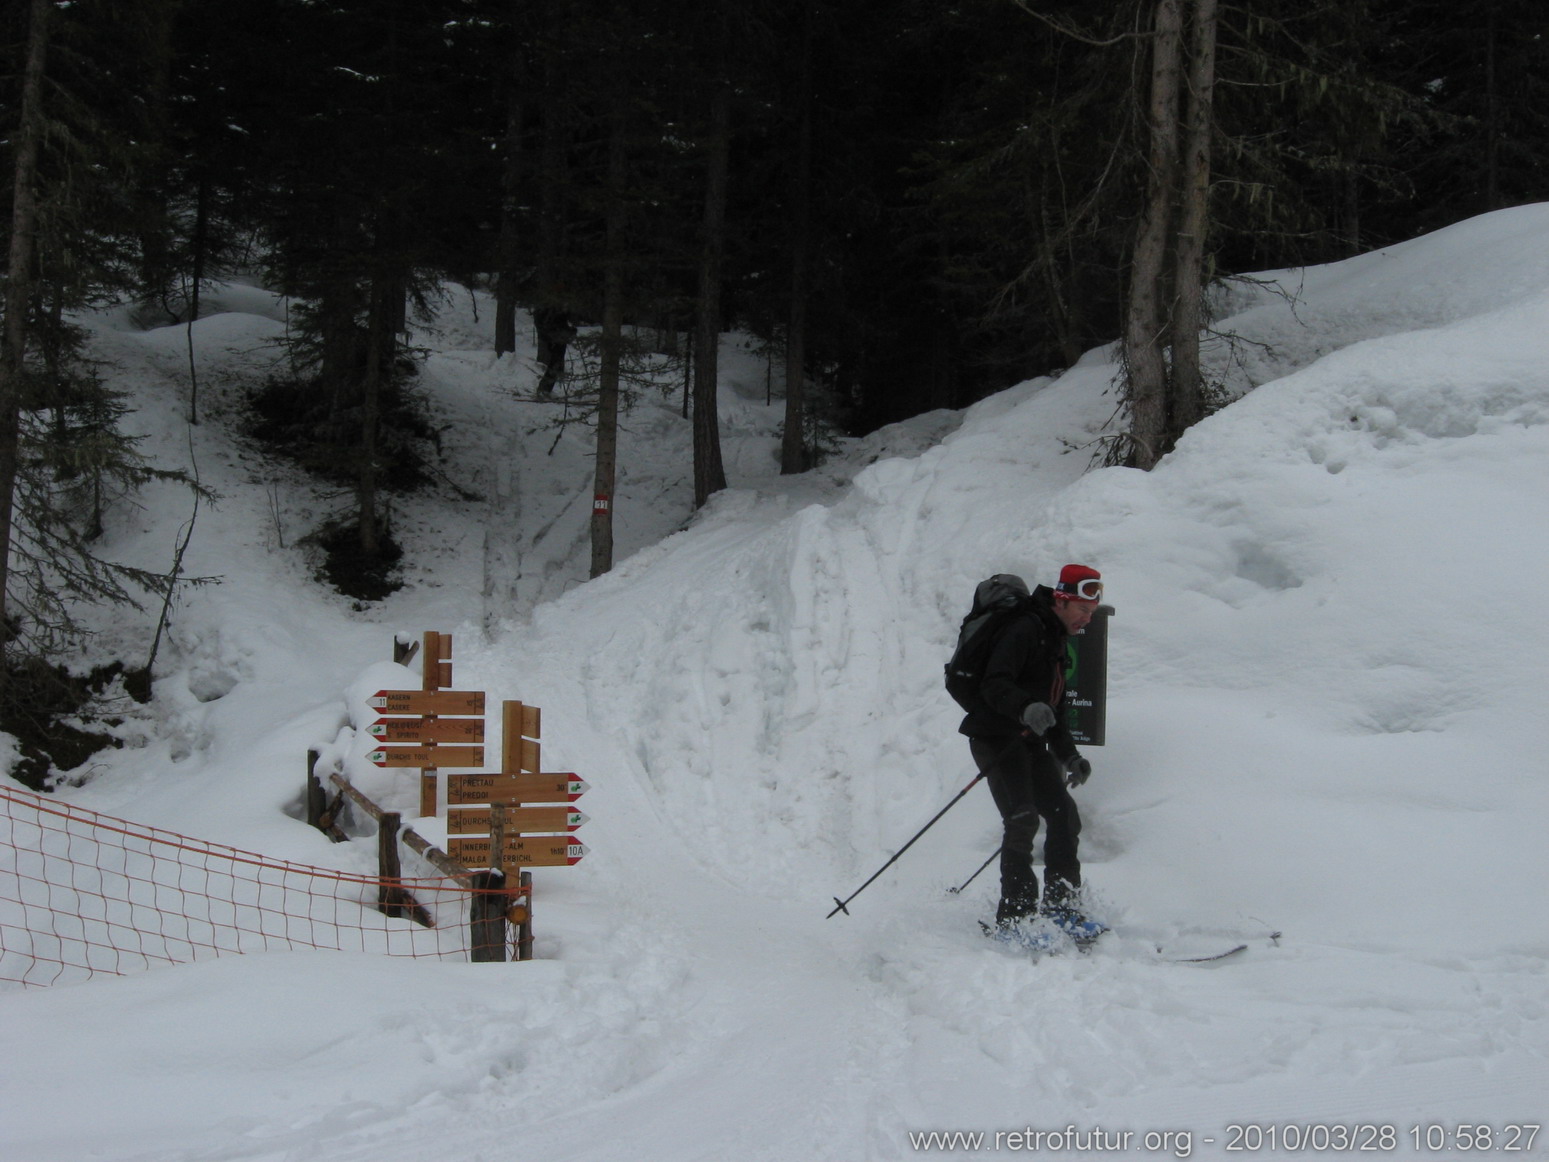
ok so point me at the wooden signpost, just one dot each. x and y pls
(520, 721)
(520, 725)
(436, 721)
(524, 807)
(516, 817)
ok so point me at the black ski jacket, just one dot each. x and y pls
(1026, 664)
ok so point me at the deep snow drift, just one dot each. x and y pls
(1324, 720)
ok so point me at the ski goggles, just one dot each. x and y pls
(1090, 589)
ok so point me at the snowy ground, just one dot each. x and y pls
(1325, 720)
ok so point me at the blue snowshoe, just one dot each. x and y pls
(1028, 935)
(1081, 929)
(1049, 932)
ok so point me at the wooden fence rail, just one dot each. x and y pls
(494, 903)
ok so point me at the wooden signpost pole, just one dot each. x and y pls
(497, 837)
(430, 676)
(489, 921)
(487, 917)
(520, 728)
(523, 920)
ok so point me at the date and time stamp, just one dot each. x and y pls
(1370, 1138)
(1266, 1139)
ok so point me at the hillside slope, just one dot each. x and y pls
(1322, 723)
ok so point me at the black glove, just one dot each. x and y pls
(1077, 771)
(1038, 717)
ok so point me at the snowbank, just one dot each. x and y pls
(1323, 722)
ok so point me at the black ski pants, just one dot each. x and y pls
(1028, 784)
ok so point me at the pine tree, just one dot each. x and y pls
(83, 135)
(794, 455)
(375, 166)
(709, 471)
(20, 274)
(1477, 74)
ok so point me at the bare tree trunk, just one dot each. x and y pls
(1350, 231)
(689, 363)
(1066, 323)
(709, 470)
(1188, 389)
(201, 250)
(506, 248)
(381, 347)
(18, 284)
(1146, 315)
(1492, 117)
(502, 559)
(793, 444)
(340, 357)
(612, 336)
(551, 315)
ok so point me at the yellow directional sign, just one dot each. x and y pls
(466, 730)
(427, 701)
(519, 850)
(523, 820)
(514, 788)
(428, 756)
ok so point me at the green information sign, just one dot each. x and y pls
(1086, 681)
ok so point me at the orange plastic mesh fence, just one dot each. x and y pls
(83, 893)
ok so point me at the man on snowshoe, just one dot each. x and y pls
(1018, 737)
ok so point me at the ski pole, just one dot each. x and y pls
(958, 890)
(841, 903)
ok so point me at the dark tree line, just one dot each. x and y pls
(917, 203)
(84, 100)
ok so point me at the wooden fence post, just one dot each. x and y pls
(317, 798)
(393, 899)
(389, 870)
(322, 814)
(403, 652)
(487, 918)
(412, 839)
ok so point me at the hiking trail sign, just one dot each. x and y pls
(428, 757)
(518, 850)
(511, 790)
(456, 730)
(436, 702)
(518, 820)
(517, 815)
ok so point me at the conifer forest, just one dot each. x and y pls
(914, 204)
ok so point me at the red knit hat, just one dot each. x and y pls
(1079, 583)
